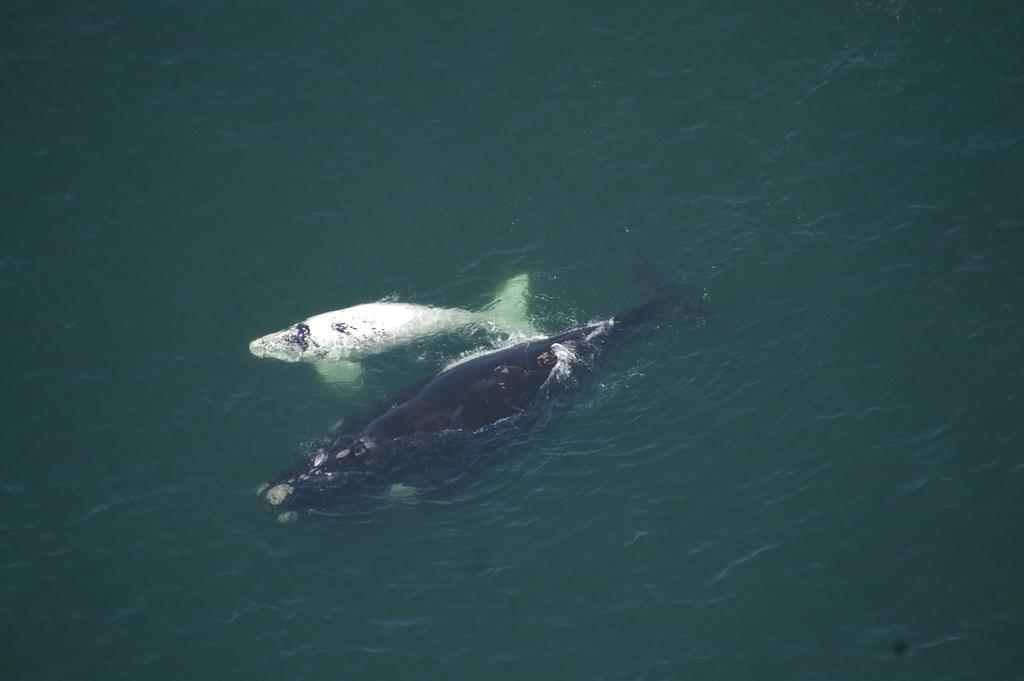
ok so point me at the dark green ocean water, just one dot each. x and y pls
(826, 481)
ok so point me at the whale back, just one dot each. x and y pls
(332, 338)
(362, 330)
(358, 331)
(466, 397)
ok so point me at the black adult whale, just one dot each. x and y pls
(466, 397)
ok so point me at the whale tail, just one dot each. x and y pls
(664, 298)
(508, 309)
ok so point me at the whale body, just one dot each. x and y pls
(468, 396)
(335, 341)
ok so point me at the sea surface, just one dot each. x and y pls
(823, 481)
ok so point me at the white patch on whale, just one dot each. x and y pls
(565, 357)
(334, 341)
(278, 493)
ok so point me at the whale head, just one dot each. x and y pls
(290, 345)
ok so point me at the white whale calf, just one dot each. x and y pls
(335, 341)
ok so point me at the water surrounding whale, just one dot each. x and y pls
(334, 341)
(483, 390)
